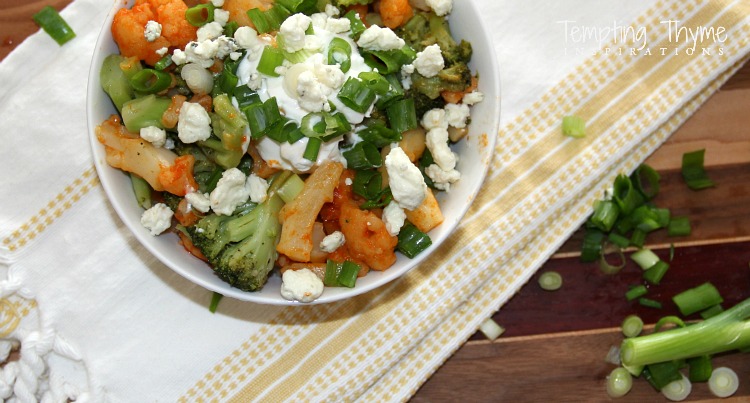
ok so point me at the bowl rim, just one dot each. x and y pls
(146, 240)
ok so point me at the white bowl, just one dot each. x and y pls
(475, 153)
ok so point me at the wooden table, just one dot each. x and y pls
(555, 343)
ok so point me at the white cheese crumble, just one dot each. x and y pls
(257, 187)
(377, 38)
(442, 179)
(293, 32)
(157, 219)
(430, 61)
(162, 51)
(229, 193)
(301, 285)
(221, 16)
(473, 97)
(193, 123)
(154, 135)
(247, 38)
(217, 3)
(393, 218)
(152, 31)
(332, 241)
(198, 201)
(405, 179)
(210, 31)
(457, 115)
(440, 7)
(437, 142)
(434, 119)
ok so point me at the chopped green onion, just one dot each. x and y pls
(655, 273)
(215, 299)
(491, 329)
(330, 278)
(646, 180)
(668, 320)
(402, 115)
(394, 93)
(363, 155)
(412, 241)
(341, 274)
(550, 281)
(54, 25)
(591, 247)
(678, 390)
(379, 135)
(663, 216)
(226, 82)
(605, 214)
(662, 374)
(700, 368)
(574, 126)
(340, 52)
(142, 191)
(638, 238)
(270, 59)
(306, 7)
(679, 226)
(375, 81)
(697, 299)
(723, 382)
(619, 240)
(230, 28)
(348, 275)
(650, 303)
(200, 15)
(163, 63)
(712, 311)
(356, 95)
(268, 20)
(368, 184)
(245, 96)
(636, 292)
(645, 258)
(356, 24)
(605, 266)
(632, 326)
(387, 61)
(671, 252)
(312, 149)
(626, 197)
(619, 382)
(150, 81)
(260, 117)
(693, 171)
(645, 218)
(323, 125)
(291, 188)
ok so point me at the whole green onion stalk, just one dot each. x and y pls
(727, 331)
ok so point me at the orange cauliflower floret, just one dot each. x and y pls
(129, 24)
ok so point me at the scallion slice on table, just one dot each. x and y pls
(668, 320)
(697, 299)
(550, 281)
(661, 374)
(636, 292)
(700, 368)
(645, 258)
(655, 273)
(650, 303)
(678, 390)
(491, 329)
(619, 382)
(54, 25)
(574, 126)
(693, 171)
(723, 382)
(679, 226)
(632, 326)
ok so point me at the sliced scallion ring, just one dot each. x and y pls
(677, 391)
(550, 281)
(723, 382)
(619, 382)
(632, 326)
(340, 52)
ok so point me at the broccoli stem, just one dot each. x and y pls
(727, 331)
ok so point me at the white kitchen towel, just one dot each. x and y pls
(97, 318)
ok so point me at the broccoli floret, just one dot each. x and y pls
(242, 247)
(423, 103)
(425, 29)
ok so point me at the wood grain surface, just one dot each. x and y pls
(555, 343)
